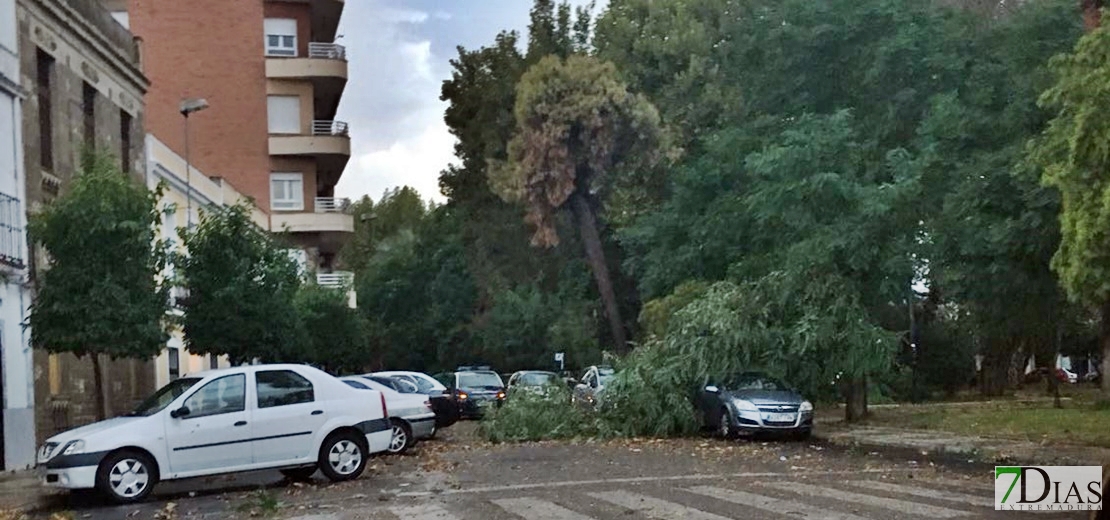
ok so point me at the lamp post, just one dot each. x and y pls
(188, 106)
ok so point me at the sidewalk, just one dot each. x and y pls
(961, 448)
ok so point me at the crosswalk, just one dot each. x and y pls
(770, 499)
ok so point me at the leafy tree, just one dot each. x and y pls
(338, 336)
(1074, 152)
(576, 122)
(100, 295)
(242, 286)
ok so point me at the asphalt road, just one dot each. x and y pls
(459, 477)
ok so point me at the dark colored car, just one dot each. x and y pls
(753, 402)
(475, 390)
(442, 399)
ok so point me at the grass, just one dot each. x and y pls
(1079, 422)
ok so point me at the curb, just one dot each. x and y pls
(966, 451)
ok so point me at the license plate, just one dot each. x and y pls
(779, 417)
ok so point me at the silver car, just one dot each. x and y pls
(410, 415)
(753, 402)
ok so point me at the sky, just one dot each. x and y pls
(399, 52)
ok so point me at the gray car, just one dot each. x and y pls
(753, 402)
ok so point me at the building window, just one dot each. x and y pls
(88, 109)
(44, 86)
(174, 356)
(125, 141)
(284, 114)
(286, 191)
(213, 362)
(281, 37)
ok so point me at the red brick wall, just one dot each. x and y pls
(211, 49)
(301, 13)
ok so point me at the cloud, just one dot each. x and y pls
(399, 53)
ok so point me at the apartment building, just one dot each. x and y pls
(17, 422)
(273, 76)
(83, 84)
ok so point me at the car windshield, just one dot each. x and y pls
(479, 379)
(604, 375)
(163, 397)
(754, 382)
(537, 379)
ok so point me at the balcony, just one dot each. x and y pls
(336, 279)
(13, 248)
(331, 205)
(325, 66)
(339, 280)
(328, 143)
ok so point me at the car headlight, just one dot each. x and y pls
(746, 406)
(74, 447)
(806, 407)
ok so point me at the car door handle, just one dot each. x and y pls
(317, 412)
(241, 423)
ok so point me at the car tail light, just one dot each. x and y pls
(462, 395)
(501, 394)
(385, 410)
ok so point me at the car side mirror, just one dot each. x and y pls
(712, 389)
(180, 412)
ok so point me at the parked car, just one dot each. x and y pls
(476, 389)
(754, 402)
(590, 389)
(290, 417)
(536, 382)
(410, 413)
(1066, 376)
(443, 400)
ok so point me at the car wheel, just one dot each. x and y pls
(724, 425)
(402, 438)
(299, 474)
(126, 476)
(343, 456)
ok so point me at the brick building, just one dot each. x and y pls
(273, 77)
(84, 86)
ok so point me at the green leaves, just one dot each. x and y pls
(100, 293)
(241, 291)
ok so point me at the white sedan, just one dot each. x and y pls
(290, 417)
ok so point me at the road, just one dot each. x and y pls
(459, 478)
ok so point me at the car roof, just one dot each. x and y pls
(534, 372)
(246, 369)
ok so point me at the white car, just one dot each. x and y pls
(410, 414)
(290, 417)
(424, 382)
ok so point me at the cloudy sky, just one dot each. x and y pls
(399, 52)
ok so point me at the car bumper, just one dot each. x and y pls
(82, 477)
(472, 408)
(422, 427)
(754, 422)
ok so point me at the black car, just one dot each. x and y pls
(476, 389)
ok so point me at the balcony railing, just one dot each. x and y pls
(178, 296)
(332, 205)
(336, 279)
(336, 128)
(12, 243)
(327, 51)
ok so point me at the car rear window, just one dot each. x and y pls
(282, 388)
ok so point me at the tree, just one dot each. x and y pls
(100, 295)
(338, 336)
(576, 122)
(1074, 152)
(242, 286)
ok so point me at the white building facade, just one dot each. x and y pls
(16, 361)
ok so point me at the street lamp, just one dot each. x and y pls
(188, 106)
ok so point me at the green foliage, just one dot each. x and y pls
(100, 293)
(532, 417)
(242, 286)
(338, 336)
(576, 121)
(1074, 152)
